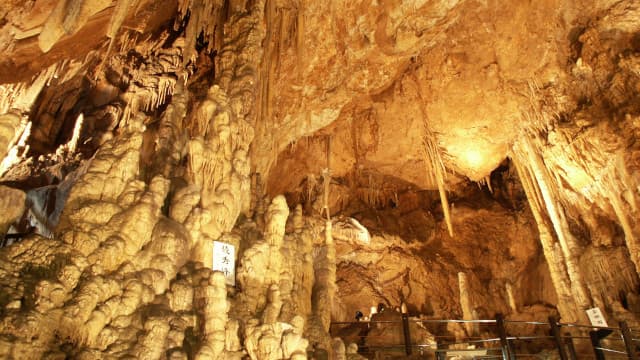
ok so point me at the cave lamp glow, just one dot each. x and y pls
(473, 158)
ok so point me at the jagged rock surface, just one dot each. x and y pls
(476, 157)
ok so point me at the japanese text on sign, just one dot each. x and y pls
(596, 317)
(224, 261)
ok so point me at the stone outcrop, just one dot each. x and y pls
(462, 158)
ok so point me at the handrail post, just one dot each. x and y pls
(407, 334)
(628, 341)
(555, 331)
(440, 355)
(595, 336)
(572, 349)
(507, 351)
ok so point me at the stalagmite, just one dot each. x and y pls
(75, 137)
(232, 340)
(294, 345)
(326, 182)
(465, 302)
(271, 313)
(137, 135)
(270, 339)
(266, 256)
(214, 304)
(290, 261)
(339, 350)
(323, 290)
(259, 206)
(304, 276)
(276, 219)
(352, 352)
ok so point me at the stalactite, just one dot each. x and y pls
(556, 214)
(205, 19)
(150, 86)
(581, 168)
(610, 272)
(154, 94)
(487, 181)
(511, 297)
(231, 130)
(275, 17)
(559, 277)
(300, 33)
(435, 169)
(20, 97)
(259, 196)
(595, 177)
(613, 185)
(170, 144)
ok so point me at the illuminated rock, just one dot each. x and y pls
(461, 158)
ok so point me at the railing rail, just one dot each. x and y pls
(503, 342)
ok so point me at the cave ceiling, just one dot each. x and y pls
(456, 131)
(371, 74)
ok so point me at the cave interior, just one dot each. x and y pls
(429, 159)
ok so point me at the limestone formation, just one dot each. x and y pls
(465, 301)
(215, 307)
(9, 123)
(13, 201)
(352, 352)
(452, 159)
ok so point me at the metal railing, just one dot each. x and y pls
(569, 341)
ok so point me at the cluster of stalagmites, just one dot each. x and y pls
(118, 281)
(128, 270)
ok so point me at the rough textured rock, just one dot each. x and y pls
(13, 201)
(459, 157)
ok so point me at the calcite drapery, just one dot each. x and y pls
(282, 71)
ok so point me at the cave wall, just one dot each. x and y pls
(158, 127)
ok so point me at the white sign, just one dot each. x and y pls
(596, 317)
(224, 260)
